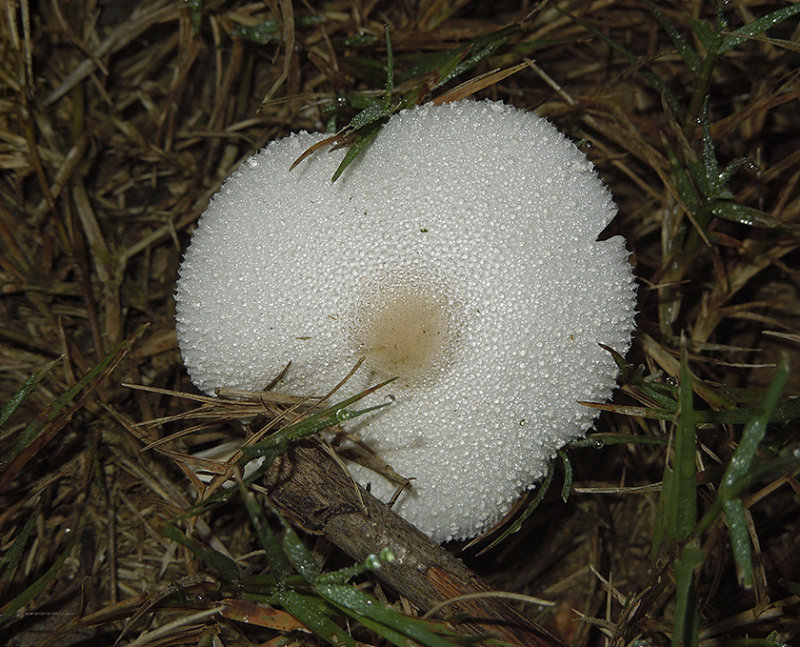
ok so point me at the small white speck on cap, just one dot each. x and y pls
(459, 251)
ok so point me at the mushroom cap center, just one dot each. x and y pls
(404, 332)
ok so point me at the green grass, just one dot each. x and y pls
(673, 523)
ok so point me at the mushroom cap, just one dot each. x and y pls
(459, 252)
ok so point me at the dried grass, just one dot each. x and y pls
(119, 120)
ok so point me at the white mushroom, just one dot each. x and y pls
(460, 253)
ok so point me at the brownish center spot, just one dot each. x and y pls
(405, 333)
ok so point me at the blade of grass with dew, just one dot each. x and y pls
(750, 216)
(485, 46)
(394, 637)
(278, 561)
(360, 40)
(348, 598)
(677, 506)
(704, 35)
(269, 31)
(377, 110)
(738, 471)
(312, 612)
(362, 140)
(787, 409)
(529, 510)
(736, 521)
(222, 564)
(49, 422)
(682, 182)
(758, 26)
(713, 184)
(269, 446)
(655, 81)
(706, 172)
(754, 433)
(665, 395)
(11, 559)
(10, 609)
(300, 557)
(368, 123)
(447, 65)
(358, 605)
(371, 563)
(195, 13)
(690, 57)
(25, 390)
(710, 39)
(686, 630)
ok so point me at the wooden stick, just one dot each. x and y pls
(310, 488)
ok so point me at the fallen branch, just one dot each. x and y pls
(311, 489)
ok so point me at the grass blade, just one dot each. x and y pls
(222, 564)
(24, 391)
(311, 612)
(9, 610)
(47, 424)
(278, 561)
(687, 623)
(687, 52)
(736, 520)
(739, 466)
(529, 510)
(682, 515)
(10, 561)
(737, 37)
(359, 605)
(678, 502)
(300, 557)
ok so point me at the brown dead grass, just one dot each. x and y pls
(118, 121)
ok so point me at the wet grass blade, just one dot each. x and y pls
(363, 139)
(655, 81)
(529, 510)
(682, 515)
(278, 561)
(11, 559)
(739, 472)
(358, 605)
(686, 630)
(276, 444)
(687, 52)
(222, 564)
(750, 216)
(678, 502)
(36, 435)
(299, 556)
(740, 465)
(738, 36)
(736, 520)
(10, 609)
(311, 611)
(24, 391)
